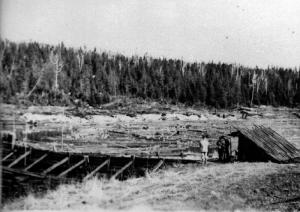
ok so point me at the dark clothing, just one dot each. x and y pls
(227, 149)
(224, 148)
(221, 145)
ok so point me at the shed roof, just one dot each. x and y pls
(276, 146)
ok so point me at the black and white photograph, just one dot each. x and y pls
(150, 105)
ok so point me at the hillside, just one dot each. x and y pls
(42, 74)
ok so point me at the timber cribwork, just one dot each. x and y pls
(30, 168)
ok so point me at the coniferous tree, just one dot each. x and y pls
(38, 71)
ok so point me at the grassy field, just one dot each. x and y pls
(244, 186)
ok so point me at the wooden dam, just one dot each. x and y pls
(25, 168)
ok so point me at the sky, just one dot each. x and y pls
(247, 32)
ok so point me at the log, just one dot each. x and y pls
(7, 156)
(122, 169)
(115, 131)
(157, 166)
(297, 114)
(21, 172)
(19, 159)
(35, 162)
(71, 168)
(96, 169)
(55, 165)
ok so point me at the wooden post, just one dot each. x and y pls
(62, 132)
(96, 169)
(122, 169)
(13, 142)
(19, 159)
(7, 156)
(55, 165)
(35, 162)
(72, 167)
(157, 166)
(1, 152)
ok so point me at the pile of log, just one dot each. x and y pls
(245, 111)
(297, 114)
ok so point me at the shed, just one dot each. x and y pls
(264, 144)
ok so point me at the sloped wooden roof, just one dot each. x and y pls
(276, 146)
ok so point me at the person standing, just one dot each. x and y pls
(221, 147)
(204, 148)
(227, 149)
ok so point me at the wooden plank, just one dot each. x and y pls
(283, 149)
(19, 159)
(55, 165)
(276, 144)
(157, 166)
(122, 169)
(265, 140)
(96, 169)
(71, 168)
(35, 162)
(261, 143)
(7, 156)
(287, 144)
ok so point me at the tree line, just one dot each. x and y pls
(53, 75)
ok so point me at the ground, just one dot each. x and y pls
(151, 128)
(244, 186)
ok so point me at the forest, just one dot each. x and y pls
(58, 75)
